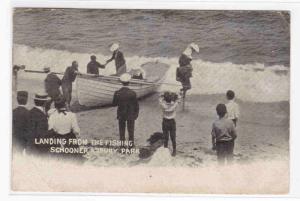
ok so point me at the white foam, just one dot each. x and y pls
(251, 82)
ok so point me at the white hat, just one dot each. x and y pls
(126, 77)
(188, 52)
(194, 46)
(114, 47)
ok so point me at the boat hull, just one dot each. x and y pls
(99, 91)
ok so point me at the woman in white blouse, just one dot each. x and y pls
(64, 126)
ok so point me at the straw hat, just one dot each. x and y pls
(114, 47)
(41, 97)
(126, 77)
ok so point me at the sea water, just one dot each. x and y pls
(246, 51)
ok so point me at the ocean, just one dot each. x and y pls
(246, 51)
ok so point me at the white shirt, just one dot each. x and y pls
(169, 109)
(233, 110)
(63, 123)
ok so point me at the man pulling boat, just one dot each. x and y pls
(68, 78)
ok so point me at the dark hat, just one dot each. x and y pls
(47, 69)
(60, 102)
(22, 94)
(93, 57)
(41, 97)
(74, 63)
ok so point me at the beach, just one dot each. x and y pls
(244, 51)
(261, 155)
(263, 128)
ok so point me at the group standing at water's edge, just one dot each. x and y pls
(125, 99)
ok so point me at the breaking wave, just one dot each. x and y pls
(251, 82)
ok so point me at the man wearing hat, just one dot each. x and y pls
(38, 127)
(52, 85)
(119, 59)
(93, 66)
(20, 123)
(184, 72)
(67, 80)
(128, 108)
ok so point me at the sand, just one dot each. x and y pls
(261, 152)
(263, 128)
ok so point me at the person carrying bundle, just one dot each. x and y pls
(184, 71)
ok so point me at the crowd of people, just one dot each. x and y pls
(44, 121)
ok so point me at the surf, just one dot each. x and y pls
(251, 82)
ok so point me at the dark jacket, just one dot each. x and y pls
(128, 106)
(184, 60)
(119, 59)
(93, 67)
(20, 127)
(38, 128)
(69, 75)
(52, 84)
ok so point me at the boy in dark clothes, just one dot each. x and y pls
(223, 136)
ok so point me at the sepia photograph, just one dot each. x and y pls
(150, 101)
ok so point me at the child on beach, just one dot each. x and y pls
(169, 102)
(233, 111)
(223, 136)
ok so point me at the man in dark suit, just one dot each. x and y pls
(67, 80)
(38, 125)
(20, 123)
(52, 85)
(128, 108)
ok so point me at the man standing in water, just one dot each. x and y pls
(69, 77)
(128, 109)
(184, 72)
(93, 66)
(119, 59)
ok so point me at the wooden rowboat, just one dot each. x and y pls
(99, 90)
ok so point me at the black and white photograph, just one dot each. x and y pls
(150, 101)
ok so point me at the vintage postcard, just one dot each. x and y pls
(150, 101)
